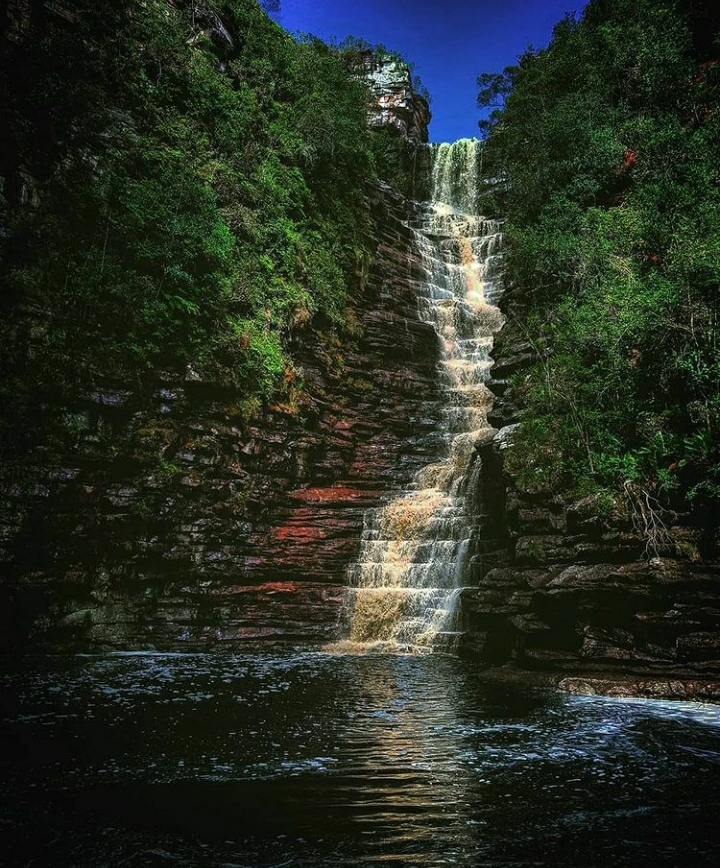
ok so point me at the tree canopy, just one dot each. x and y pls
(183, 184)
(608, 142)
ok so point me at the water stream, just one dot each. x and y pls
(414, 549)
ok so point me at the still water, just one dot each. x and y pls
(310, 759)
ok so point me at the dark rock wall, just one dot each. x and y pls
(559, 588)
(163, 518)
(157, 514)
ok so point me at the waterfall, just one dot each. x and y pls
(414, 549)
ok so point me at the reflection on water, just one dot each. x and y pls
(319, 760)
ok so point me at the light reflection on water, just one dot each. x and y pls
(321, 759)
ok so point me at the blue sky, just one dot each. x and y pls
(449, 41)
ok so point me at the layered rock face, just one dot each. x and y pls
(158, 515)
(240, 530)
(395, 102)
(559, 589)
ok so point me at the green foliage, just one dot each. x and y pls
(197, 202)
(609, 145)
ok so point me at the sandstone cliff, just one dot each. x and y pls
(395, 102)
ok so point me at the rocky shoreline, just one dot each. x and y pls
(610, 684)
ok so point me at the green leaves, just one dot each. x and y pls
(200, 204)
(610, 149)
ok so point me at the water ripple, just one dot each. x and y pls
(320, 760)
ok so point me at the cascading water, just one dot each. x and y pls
(414, 549)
